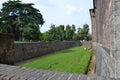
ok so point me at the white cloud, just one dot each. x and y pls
(29, 1)
(73, 9)
(51, 0)
(2, 1)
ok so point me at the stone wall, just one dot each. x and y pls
(102, 12)
(107, 31)
(6, 49)
(115, 35)
(25, 51)
(11, 52)
(105, 62)
(86, 43)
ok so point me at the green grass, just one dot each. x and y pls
(74, 60)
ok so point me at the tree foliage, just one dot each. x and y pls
(23, 21)
(55, 33)
(68, 33)
(83, 33)
(20, 19)
(45, 36)
(31, 32)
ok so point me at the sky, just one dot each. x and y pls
(63, 12)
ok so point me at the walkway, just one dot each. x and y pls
(8, 72)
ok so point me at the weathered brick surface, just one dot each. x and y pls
(33, 74)
(107, 31)
(100, 22)
(11, 53)
(6, 49)
(93, 21)
(25, 51)
(115, 34)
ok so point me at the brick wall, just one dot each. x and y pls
(93, 21)
(11, 52)
(100, 22)
(100, 17)
(6, 49)
(107, 16)
(25, 51)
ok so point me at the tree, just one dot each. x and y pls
(60, 32)
(80, 34)
(53, 33)
(83, 33)
(89, 37)
(73, 29)
(31, 32)
(56, 33)
(68, 32)
(86, 28)
(46, 36)
(15, 16)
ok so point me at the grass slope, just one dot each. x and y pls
(74, 60)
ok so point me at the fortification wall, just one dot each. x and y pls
(11, 52)
(93, 22)
(100, 16)
(115, 35)
(25, 51)
(6, 49)
(107, 33)
(103, 65)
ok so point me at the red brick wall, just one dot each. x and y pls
(102, 30)
(93, 21)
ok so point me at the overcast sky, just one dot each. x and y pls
(62, 11)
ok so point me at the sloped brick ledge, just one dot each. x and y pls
(8, 72)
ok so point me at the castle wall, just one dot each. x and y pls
(107, 31)
(25, 51)
(6, 49)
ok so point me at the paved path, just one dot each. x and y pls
(8, 72)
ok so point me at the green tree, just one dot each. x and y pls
(83, 33)
(73, 29)
(46, 36)
(14, 16)
(80, 35)
(56, 33)
(68, 32)
(31, 32)
(60, 32)
(89, 37)
(52, 33)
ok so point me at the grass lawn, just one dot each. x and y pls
(74, 60)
